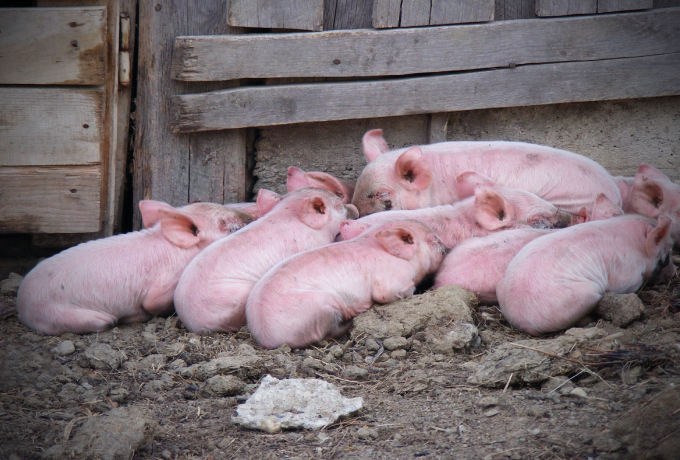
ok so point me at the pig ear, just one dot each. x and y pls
(352, 228)
(374, 144)
(179, 228)
(150, 209)
(296, 179)
(646, 196)
(657, 235)
(492, 210)
(604, 208)
(342, 189)
(315, 212)
(469, 181)
(652, 172)
(266, 200)
(412, 167)
(398, 242)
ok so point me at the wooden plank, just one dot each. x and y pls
(611, 6)
(53, 46)
(50, 200)
(292, 14)
(364, 53)
(461, 11)
(386, 13)
(347, 14)
(415, 13)
(546, 8)
(437, 127)
(514, 9)
(51, 126)
(168, 167)
(537, 84)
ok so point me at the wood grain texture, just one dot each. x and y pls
(51, 126)
(273, 14)
(169, 167)
(437, 127)
(514, 9)
(610, 6)
(364, 53)
(538, 84)
(415, 13)
(50, 200)
(547, 8)
(461, 11)
(386, 13)
(53, 46)
(347, 14)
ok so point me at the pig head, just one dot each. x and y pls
(297, 179)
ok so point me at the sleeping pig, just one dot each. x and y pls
(314, 295)
(124, 278)
(211, 294)
(557, 279)
(424, 176)
(297, 178)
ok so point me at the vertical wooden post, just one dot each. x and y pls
(178, 168)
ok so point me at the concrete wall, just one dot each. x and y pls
(618, 134)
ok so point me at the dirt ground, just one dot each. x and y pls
(155, 391)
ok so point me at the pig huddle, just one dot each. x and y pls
(298, 268)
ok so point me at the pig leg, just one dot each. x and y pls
(59, 319)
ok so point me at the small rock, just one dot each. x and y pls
(559, 384)
(312, 363)
(395, 343)
(488, 401)
(225, 385)
(462, 335)
(245, 349)
(166, 454)
(492, 412)
(354, 373)
(337, 351)
(118, 394)
(604, 442)
(398, 354)
(580, 392)
(310, 437)
(10, 286)
(294, 403)
(150, 338)
(65, 348)
(630, 375)
(155, 361)
(620, 309)
(534, 431)
(367, 433)
(102, 356)
(177, 364)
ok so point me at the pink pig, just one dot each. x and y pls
(212, 292)
(297, 178)
(314, 295)
(419, 177)
(492, 208)
(124, 278)
(651, 193)
(478, 264)
(557, 279)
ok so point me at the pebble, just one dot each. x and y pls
(102, 356)
(492, 412)
(367, 433)
(354, 373)
(337, 351)
(225, 385)
(534, 431)
(580, 392)
(398, 354)
(372, 345)
(65, 348)
(10, 286)
(488, 401)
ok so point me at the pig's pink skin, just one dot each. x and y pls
(651, 193)
(212, 292)
(557, 279)
(425, 176)
(124, 278)
(478, 264)
(490, 209)
(297, 179)
(315, 294)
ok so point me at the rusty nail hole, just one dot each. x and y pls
(512, 65)
(158, 7)
(336, 61)
(74, 42)
(73, 24)
(86, 126)
(73, 190)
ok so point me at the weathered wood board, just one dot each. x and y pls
(51, 126)
(386, 13)
(347, 14)
(546, 8)
(538, 84)
(362, 53)
(514, 9)
(291, 14)
(50, 200)
(411, 13)
(53, 46)
(610, 6)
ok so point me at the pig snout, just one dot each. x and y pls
(565, 219)
(351, 211)
(665, 270)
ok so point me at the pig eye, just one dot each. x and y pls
(384, 195)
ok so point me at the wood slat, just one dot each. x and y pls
(546, 8)
(50, 200)
(386, 13)
(415, 13)
(461, 11)
(50, 126)
(521, 86)
(362, 53)
(610, 6)
(53, 46)
(291, 14)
